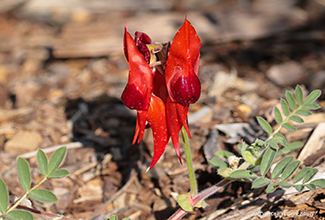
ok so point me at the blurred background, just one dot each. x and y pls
(62, 71)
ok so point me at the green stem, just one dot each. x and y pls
(24, 196)
(189, 162)
(283, 122)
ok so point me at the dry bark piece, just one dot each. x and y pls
(23, 141)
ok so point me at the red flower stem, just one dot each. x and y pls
(180, 213)
(189, 163)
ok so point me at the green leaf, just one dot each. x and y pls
(43, 163)
(304, 112)
(43, 195)
(312, 96)
(277, 115)
(184, 202)
(289, 170)
(267, 160)
(57, 158)
(19, 215)
(266, 126)
(291, 147)
(297, 119)
(278, 169)
(113, 217)
(224, 154)
(285, 107)
(310, 175)
(284, 184)
(311, 106)
(4, 196)
(319, 183)
(311, 186)
(218, 163)
(24, 173)
(126, 219)
(239, 174)
(259, 182)
(271, 188)
(283, 139)
(289, 127)
(291, 100)
(59, 173)
(300, 187)
(299, 95)
(301, 174)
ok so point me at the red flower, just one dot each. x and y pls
(162, 83)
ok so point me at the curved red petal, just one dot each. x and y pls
(140, 126)
(182, 66)
(137, 92)
(157, 121)
(174, 125)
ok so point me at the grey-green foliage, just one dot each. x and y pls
(114, 217)
(261, 154)
(49, 169)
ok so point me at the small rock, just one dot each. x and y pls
(23, 141)
(287, 74)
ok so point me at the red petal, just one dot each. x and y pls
(140, 126)
(157, 121)
(136, 94)
(182, 66)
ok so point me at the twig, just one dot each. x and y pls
(72, 145)
(115, 196)
(42, 213)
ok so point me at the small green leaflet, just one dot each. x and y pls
(297, 119)
(42, 162)
(303, 112)
(19, 215)
(285, 107)
(289, 170)
(267, 160)
(43, 195)
(4, 196)
(277, 115)
(319, 183)
(59, 173)
(57, 158)
(183, 201)
(218, 163)
(310, 175)
(299, 95)
(271, 188)
(301, 174)
(278, 169)
(24, 174)
(291, 100)
(289, 127)
(261, 181)
(312, 96)
(266, 126)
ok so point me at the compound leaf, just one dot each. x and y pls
(289, 170)
(24, 173)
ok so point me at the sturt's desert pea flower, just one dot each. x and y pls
(163, 82)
